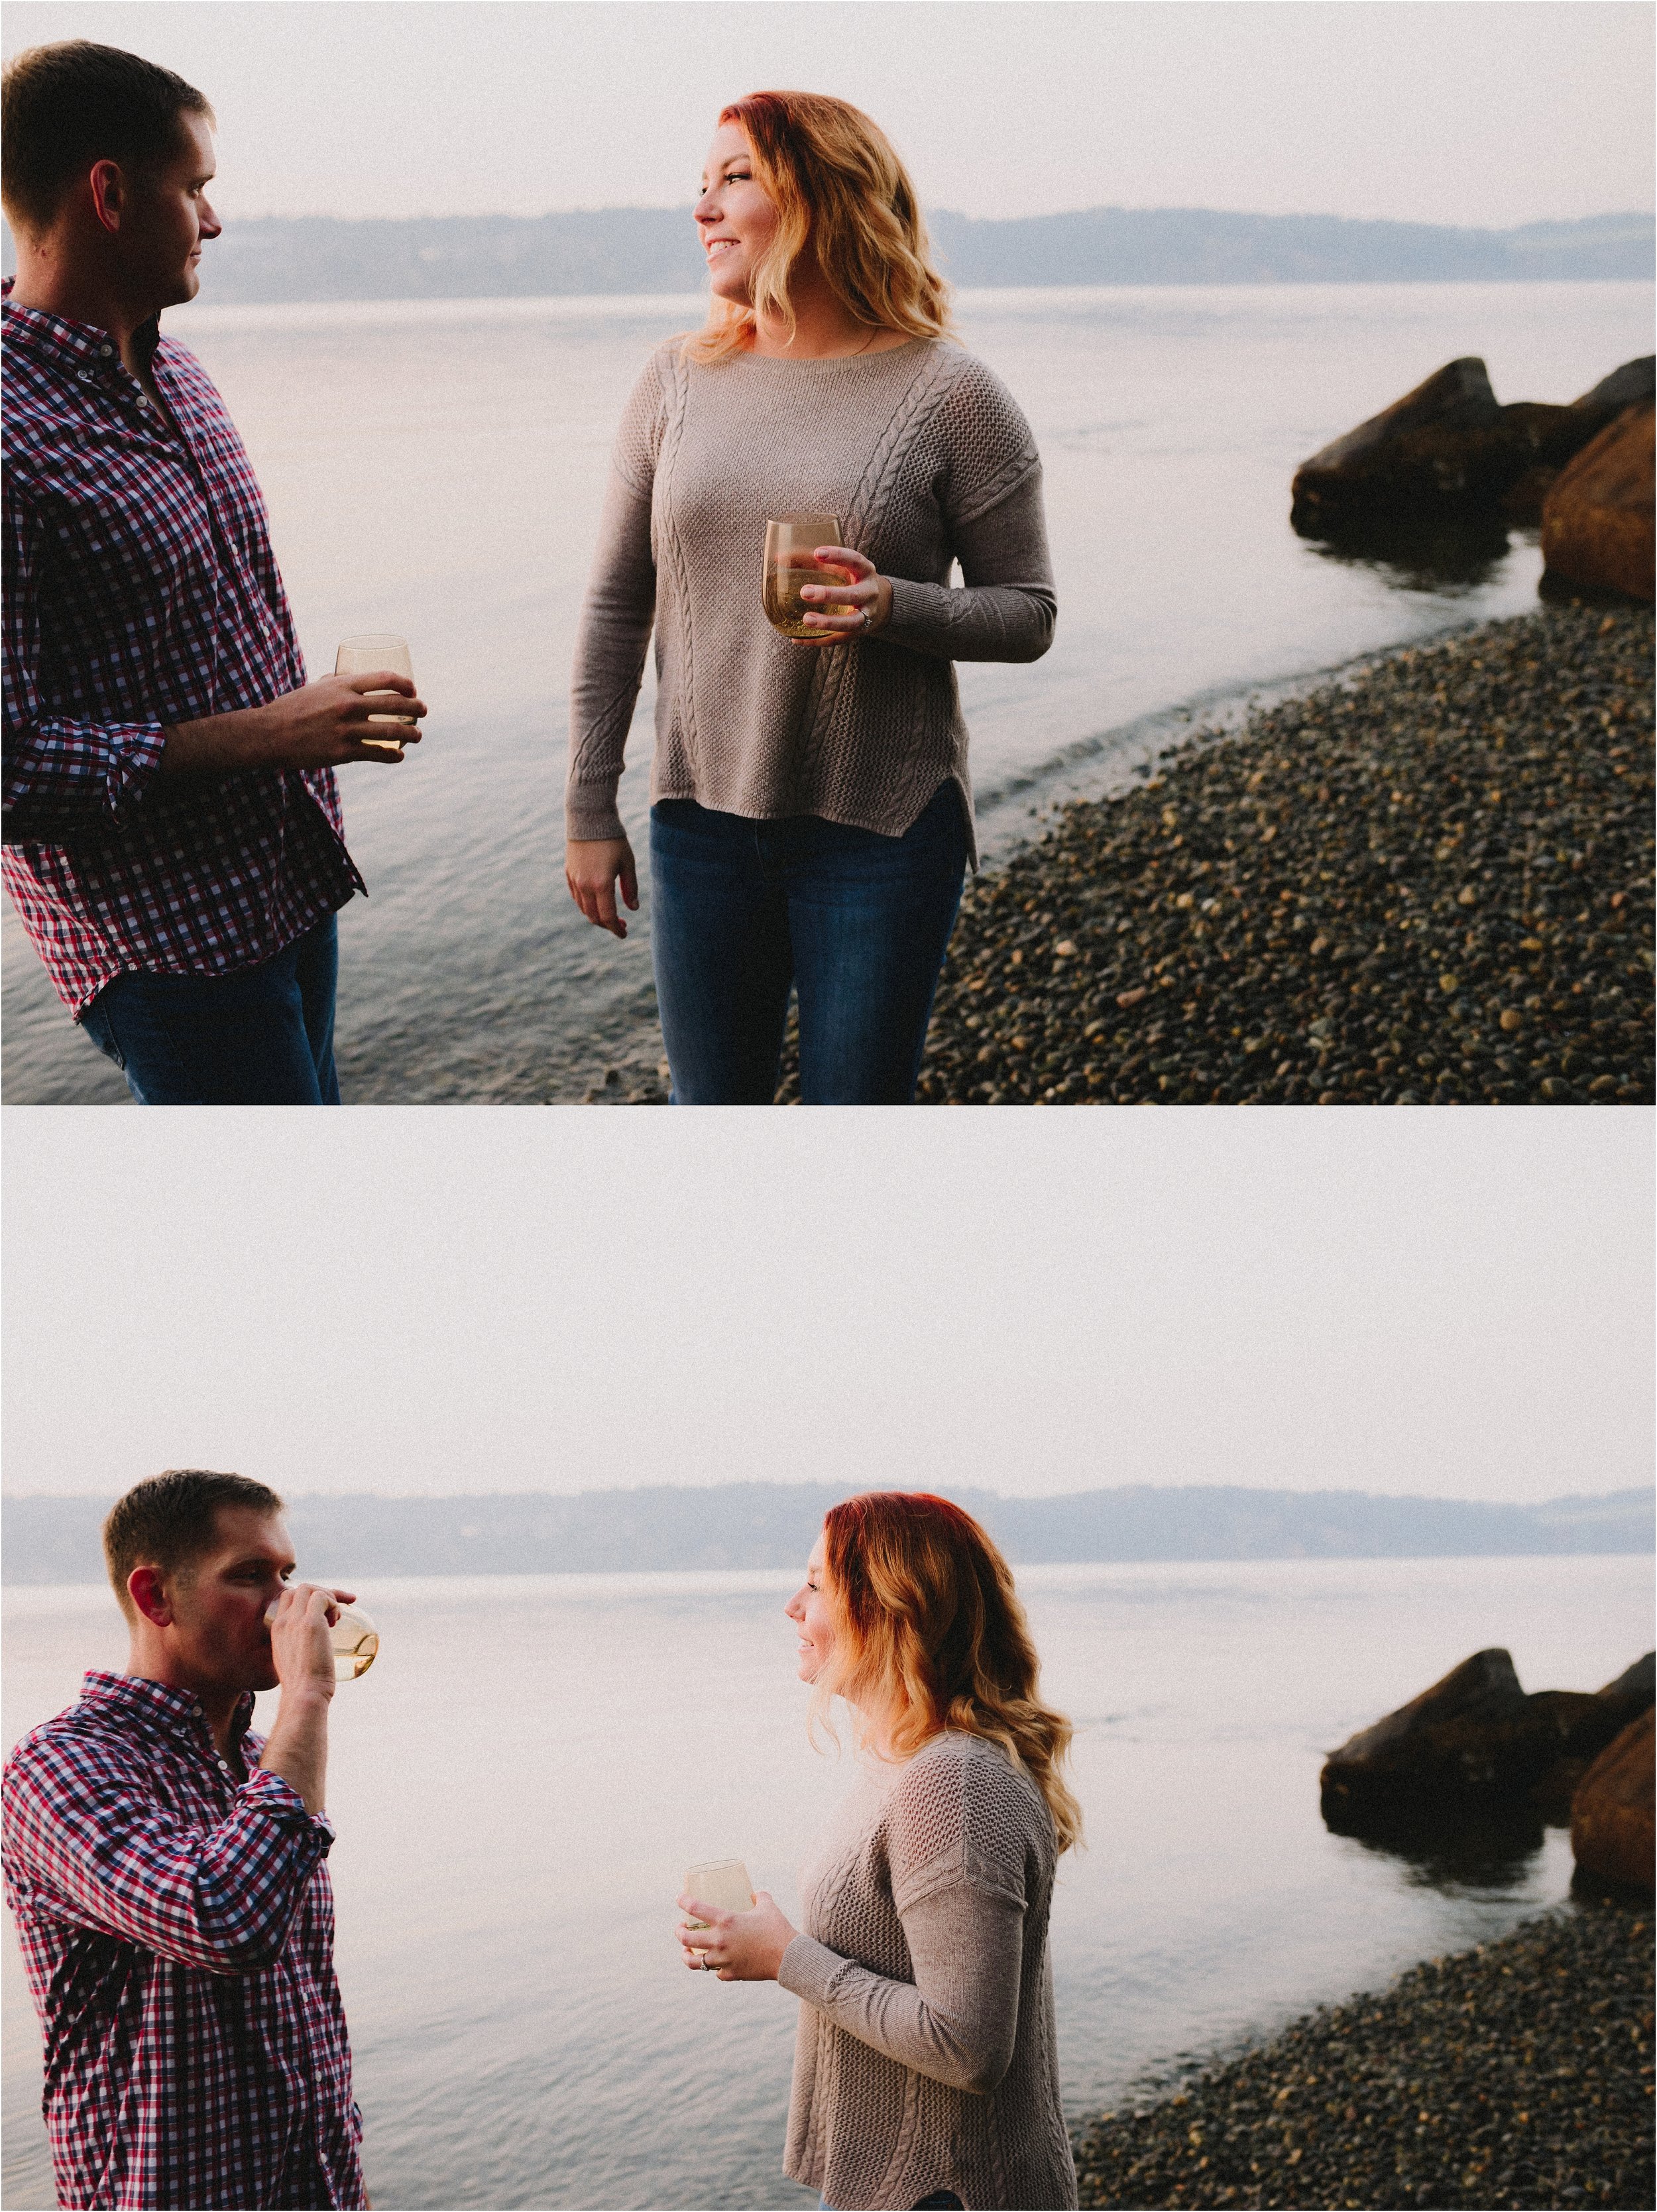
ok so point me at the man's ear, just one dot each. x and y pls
(146, 1588)
(109, 194)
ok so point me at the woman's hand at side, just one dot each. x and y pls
(592, 868)
(738, 1946)
(868, 589)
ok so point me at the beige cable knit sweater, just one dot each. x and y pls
(927, 459)
(925, 2057)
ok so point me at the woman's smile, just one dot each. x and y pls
(809, 1610)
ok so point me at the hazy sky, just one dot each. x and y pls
(1479, 112)
(448, 1300)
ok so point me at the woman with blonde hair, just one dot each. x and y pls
(925, 2072)
(811, 816)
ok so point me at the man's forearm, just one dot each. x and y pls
(218, 744)
(320, 725)
(298, 1746)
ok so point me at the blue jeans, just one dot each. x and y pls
(260, 1036)
(857, 923)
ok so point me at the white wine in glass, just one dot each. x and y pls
(357, 656)
(790, 562)
(722, 1883)
(354, 1636)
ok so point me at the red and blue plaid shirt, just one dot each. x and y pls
(177, 1926)
(143, 591)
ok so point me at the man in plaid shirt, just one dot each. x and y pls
(173, 832)
(165, 1871)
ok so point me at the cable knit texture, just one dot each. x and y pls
(926, 2058)
(927, 459)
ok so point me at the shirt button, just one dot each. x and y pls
(143, 402)
(85, 375)
(105, 351)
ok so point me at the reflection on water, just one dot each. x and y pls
(1446, 553)
(1463, 1847)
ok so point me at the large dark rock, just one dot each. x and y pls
(1597, 527)
(1419, 451)
(1584, 1726)
(1611, 1820)
(1475, 1735)
(1637, 1682)
(1447, 447)
(1466, 1734)
(1633, 384)
(1559, 433)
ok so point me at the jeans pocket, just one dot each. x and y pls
(95, 1022)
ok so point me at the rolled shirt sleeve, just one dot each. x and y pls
(63, 777)
(222, 1899)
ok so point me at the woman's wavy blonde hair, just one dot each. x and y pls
(838, 186)
(929, 1626)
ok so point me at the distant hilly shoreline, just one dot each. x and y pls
(55, 1540)
(274, 258)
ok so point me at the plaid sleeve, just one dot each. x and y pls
(81, 1826)
(62, 777)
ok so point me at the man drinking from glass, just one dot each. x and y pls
(173, 834)
(165, 1871)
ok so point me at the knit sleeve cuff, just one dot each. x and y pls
(807, 1967)
(914, 618)
(590, 810)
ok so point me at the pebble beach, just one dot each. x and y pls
(1517, 2074)
(1429, 882)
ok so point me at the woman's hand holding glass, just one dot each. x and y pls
(868, 591)
(738, 1946)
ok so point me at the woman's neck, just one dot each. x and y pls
(824, 328)
(879, 1731)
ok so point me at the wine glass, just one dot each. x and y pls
(352, 1635)
(356, 1643)
(356, 656)
(721, 1882)
(790, 562)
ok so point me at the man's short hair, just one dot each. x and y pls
(66, 105)
(172, 1519)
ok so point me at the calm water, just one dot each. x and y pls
(435, 469)
(520, 1782)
